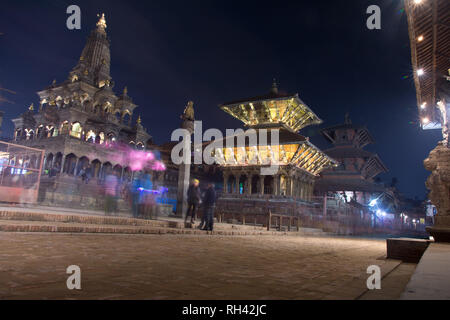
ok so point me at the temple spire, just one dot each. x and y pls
(94, 63)
(101, 24)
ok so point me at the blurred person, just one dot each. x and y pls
(111, 184)
(147, 198)
(193, 199)
(134, 194)
(209, 202)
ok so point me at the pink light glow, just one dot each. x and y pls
(136, 160)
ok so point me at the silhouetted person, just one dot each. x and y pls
(209, 203)
(194, 199)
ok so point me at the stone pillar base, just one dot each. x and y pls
(438, 162)
(439, 234)
(441, 229)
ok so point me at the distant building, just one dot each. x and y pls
(353, 178)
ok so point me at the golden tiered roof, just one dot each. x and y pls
(285, 112)
(273, 109)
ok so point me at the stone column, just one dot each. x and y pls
(249, 184)
(276, 184)
(288, 186)
(76, 167)
(225, 183)
(184, 169)
(63, 161)
(261, 184)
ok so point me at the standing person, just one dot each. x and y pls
(209, 203)
(194, 199)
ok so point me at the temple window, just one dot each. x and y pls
(140, 146)
(40, 132)
(76, 130)
(29, 134)
(101, 136)
(18, 134)
(64, 127)
(126, 117)
(117, 115)
(111, 137)
(90, 137)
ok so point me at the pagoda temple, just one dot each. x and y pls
(354, 177)
(298, 161)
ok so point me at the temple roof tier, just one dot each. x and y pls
(273, 109)
(292, 149)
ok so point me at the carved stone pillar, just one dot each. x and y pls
(248, 189)
(184, 169)
(63, 160)
(261, 184)
(225, 182)
(276, 185)
(438, 162)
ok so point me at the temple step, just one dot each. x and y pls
(25, 221)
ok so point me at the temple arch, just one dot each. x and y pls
(64, 129)
(76, 130)
(69, 164)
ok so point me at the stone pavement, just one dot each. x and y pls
(32, 266)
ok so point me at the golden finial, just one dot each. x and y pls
(139, 120)
(54, 82)
(125, 90)
(31, 108)
(101, 24)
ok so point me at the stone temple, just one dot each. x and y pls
(82, 122)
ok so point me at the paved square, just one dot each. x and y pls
(33, 266)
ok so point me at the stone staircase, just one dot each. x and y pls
(29, 221)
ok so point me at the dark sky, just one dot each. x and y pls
(169, 52)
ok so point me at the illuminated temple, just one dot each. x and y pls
(81, 122)
(299, 161)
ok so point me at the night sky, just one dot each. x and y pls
(169, 52)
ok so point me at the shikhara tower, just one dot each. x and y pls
(79, 121)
